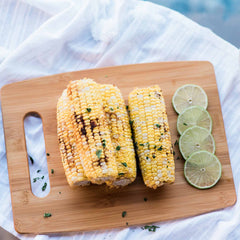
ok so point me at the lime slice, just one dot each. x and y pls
(189, 95)
(195, 139)
(202, 169)
(194, 116)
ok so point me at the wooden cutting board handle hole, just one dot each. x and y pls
(37, 162)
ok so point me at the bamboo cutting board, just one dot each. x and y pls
(97, 207)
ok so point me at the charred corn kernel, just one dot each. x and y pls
(121, 136)
(69, 153)
(152, 136)
(90, 130)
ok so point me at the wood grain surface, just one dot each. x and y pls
(97, 207)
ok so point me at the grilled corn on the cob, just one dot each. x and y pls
(121, 136)
(70, 155)
(152, 136)
(91, 130)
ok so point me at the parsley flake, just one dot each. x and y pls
(160, 148)
(52, 171)
(185, 124)
(31, 159)
(141, 144)
(118, 148)
(47, 215)
(157, 125)
(111, 109)
(151, 228)
(121, 174)
(173, 153)
(35, 179)
(124, 213)
(38, 171)
(98, 153)
(145, 199)
(176, 143)
(124, 164)
(48, 154)
(154, 156)
(130, 122)
(89, 110)
(42, 177)
(44, 186)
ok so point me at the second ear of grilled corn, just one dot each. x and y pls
(152, 136)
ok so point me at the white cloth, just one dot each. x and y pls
(44, 37)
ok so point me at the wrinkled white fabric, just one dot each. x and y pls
(43, 37)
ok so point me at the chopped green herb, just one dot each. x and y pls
(154, 156)
(52, 171)
(151, 228)
(31, 159)
(161, 133)
(106, 76)
(185, 124)
(141, 144)
(121, 174)
(168, 161)
(160, 148)
(124, 213)
(149, 95)
(126, 106)
(35, 179)
(111, 108)
(59, 192)
(48, 154)
(147, 158)
(157, 125)
(130, 122)
(176, 143)
(145, 199)
(118, 148)
(47, 215)
(104, 145)
(38, 171)
(167, 166)
(42, 177)
(127, 223)
(173, 153)
(98, 153)
(178, 158)
(117, 107)
(44, 186)
(89, 110)
(124, 164)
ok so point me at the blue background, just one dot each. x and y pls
(221, 16)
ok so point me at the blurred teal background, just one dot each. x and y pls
(221, 16)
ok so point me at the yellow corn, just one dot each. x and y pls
(91, 131)
(69, 153)
(152, 136)
(121, 136)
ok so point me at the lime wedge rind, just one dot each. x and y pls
(194, 174)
